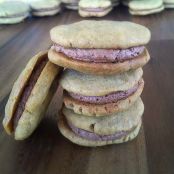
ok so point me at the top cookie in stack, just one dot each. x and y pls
(100, 47)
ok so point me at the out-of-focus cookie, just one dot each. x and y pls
(145, 7)
(168, 3)
(97, 8)
(12, 12)
(45, 7)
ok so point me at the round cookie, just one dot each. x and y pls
(94, 85)
(121, 43)
(96, 8)
(45, 8)
(69, 134)
(12, 12)
(85, 131)
(100, 34)
(98, 110)
(86, 85)
(107, 125)
(30, 96)
(168, 3)
(144, 7)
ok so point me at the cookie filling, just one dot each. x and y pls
(100, 55)
(27, 90)
(110, 98)
(97, 9)
(96, 137)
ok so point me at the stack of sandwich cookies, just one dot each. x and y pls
(96, 8)
(45, 7)
(30, 96)
(100, 47)
(101, 110)
(145, 7)
(103, 82)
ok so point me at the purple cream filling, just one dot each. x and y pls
(96, 137)
(100, 55)
(110, 98)
(27, 91)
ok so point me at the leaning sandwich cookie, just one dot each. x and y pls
(30, 96)
(99, 131)
(98, 8)
(45, 7)
(100, 47)
(94, 95)
(145, 7)
(12, 12)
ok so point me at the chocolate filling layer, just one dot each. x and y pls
(27, 90)
(97, 9)
(96, 137)
(110, 98)
(100, 55)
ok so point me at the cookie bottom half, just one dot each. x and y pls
(69, 134)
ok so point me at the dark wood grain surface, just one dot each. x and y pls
(47, 151)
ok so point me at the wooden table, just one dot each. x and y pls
(47, 151)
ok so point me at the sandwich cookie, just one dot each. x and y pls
(71, 4)
(100, 47)
(98, 8)
(145, 7)
(168, 3)
(30, 96)
(45, 7)
(99, 131)
(93, 95)
(12, 12)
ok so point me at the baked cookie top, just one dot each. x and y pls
(100, 34)
(94, 85)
